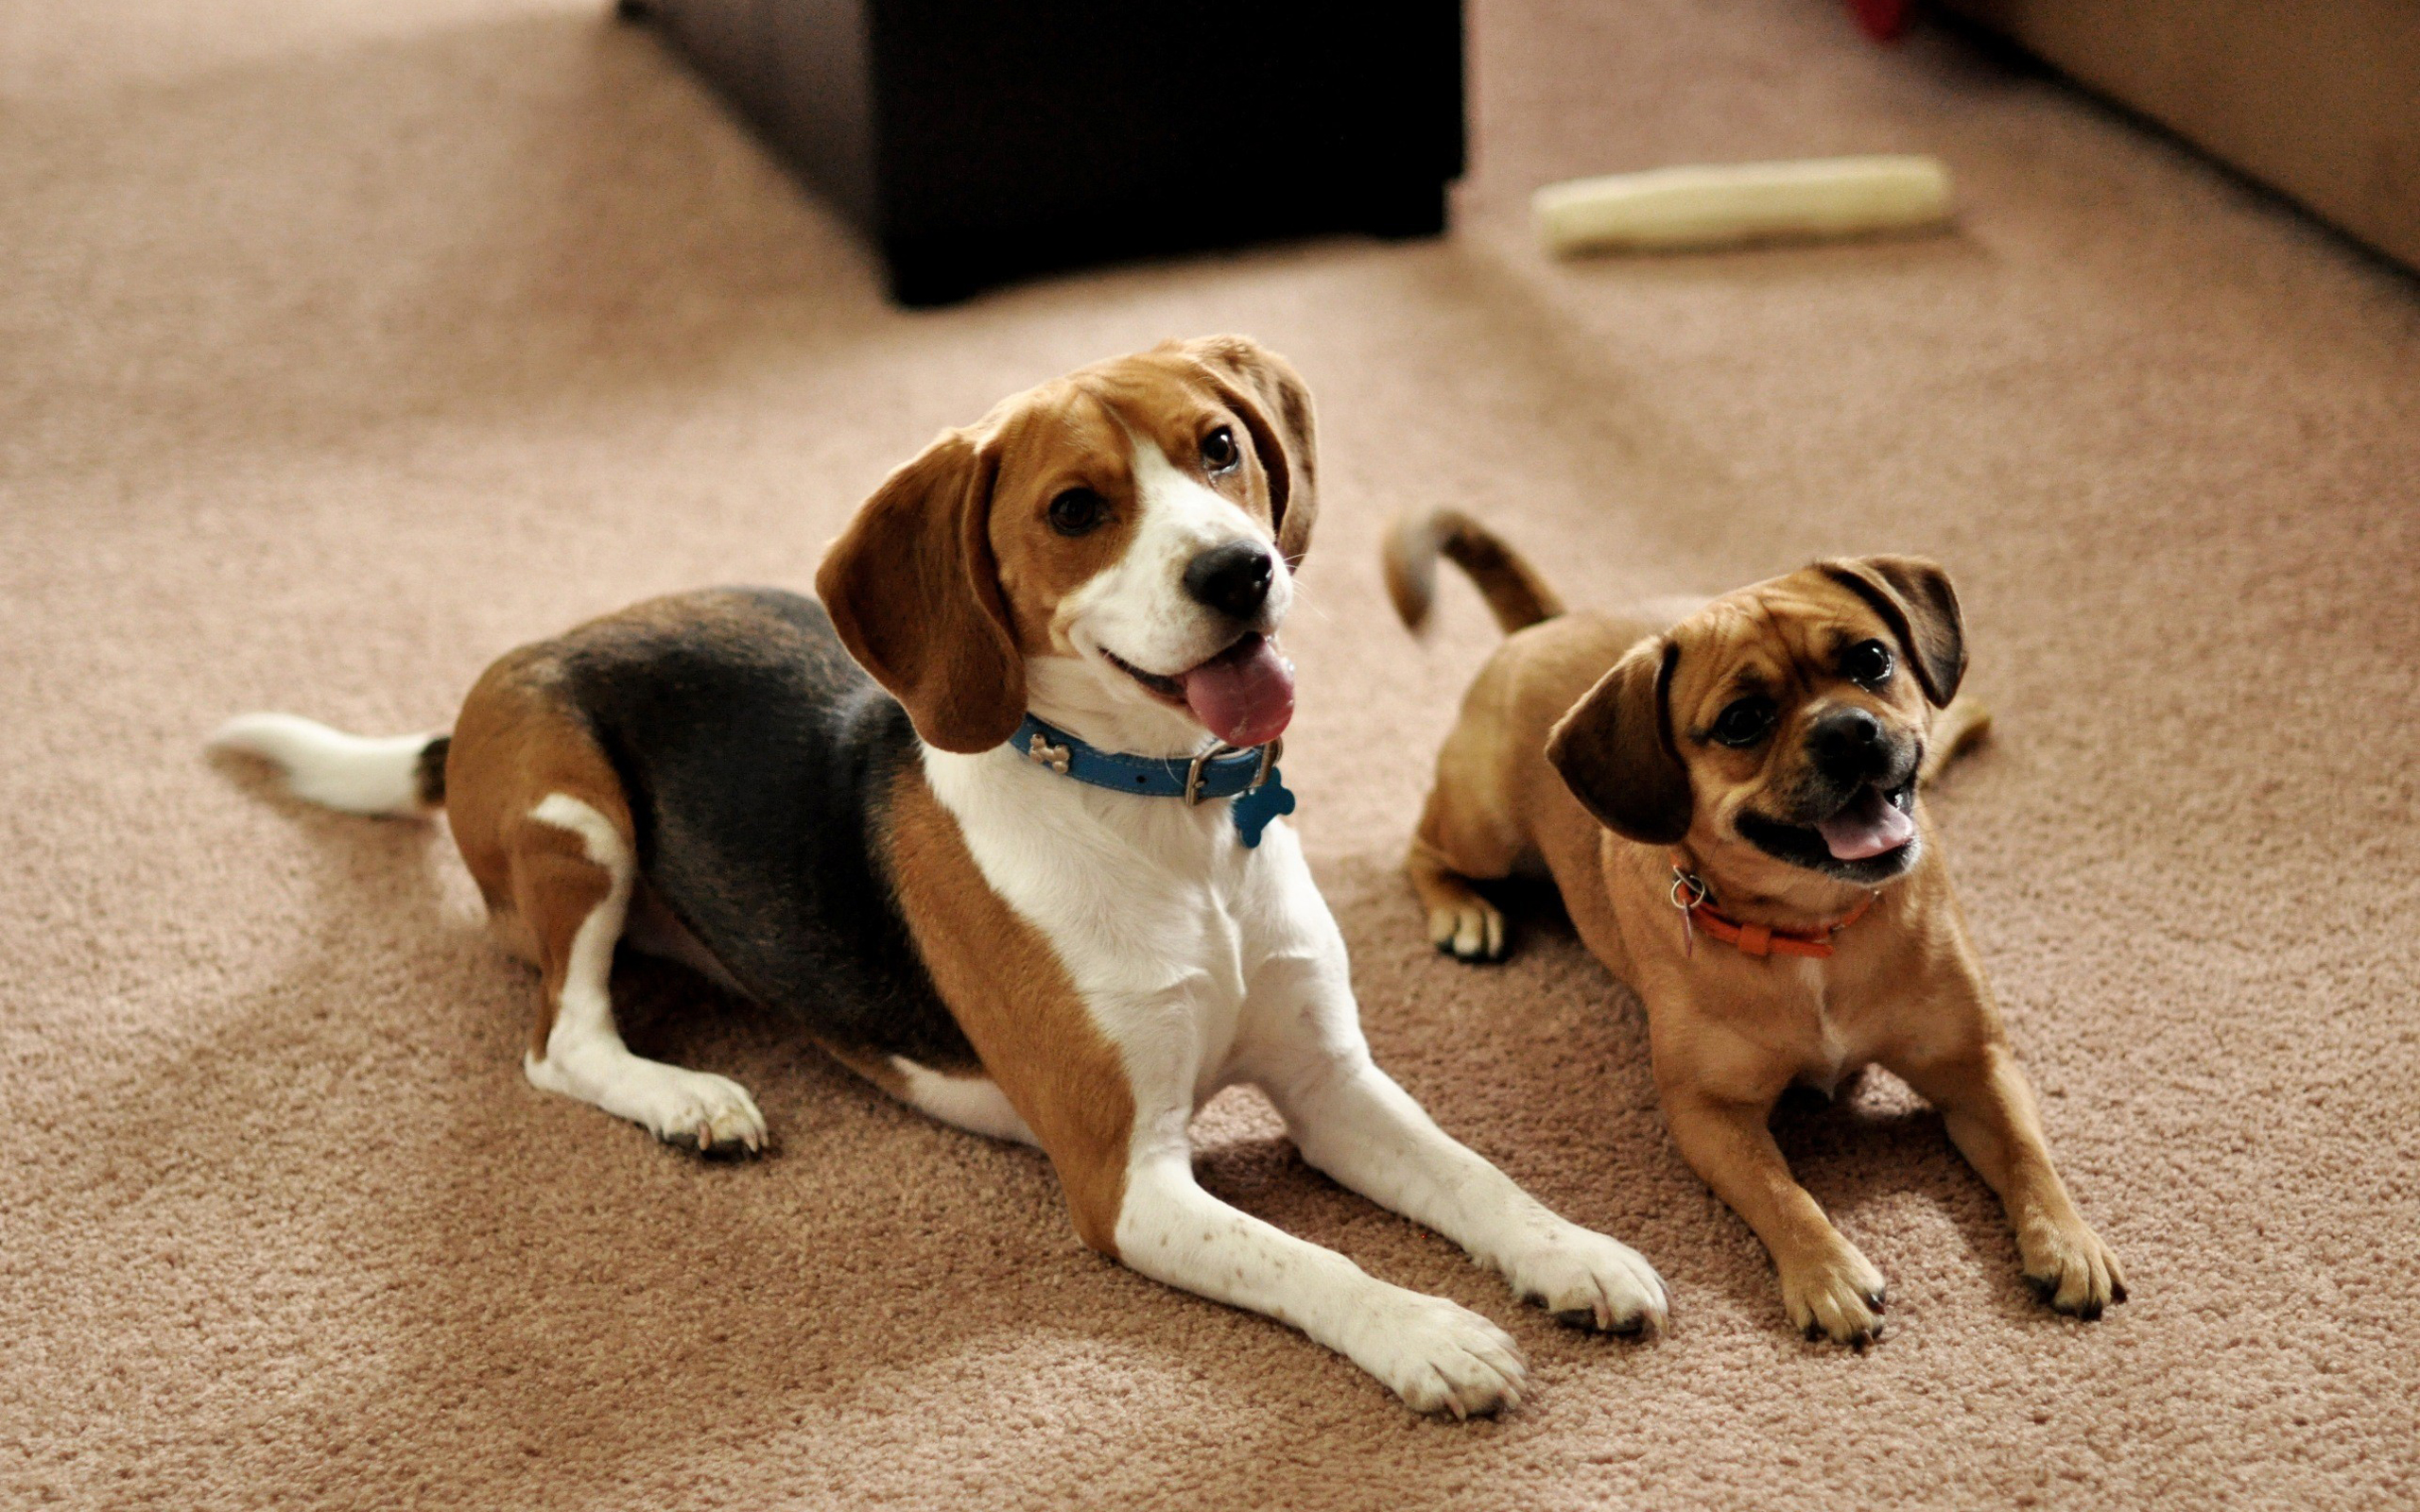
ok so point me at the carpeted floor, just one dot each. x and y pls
(348, 344)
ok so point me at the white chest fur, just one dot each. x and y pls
(1207, 963)
(1161, 918)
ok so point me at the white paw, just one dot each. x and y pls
(1590, 1282)
(695, 1109)
(1439, 1356)
(704, 1112)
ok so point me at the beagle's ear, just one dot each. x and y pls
(915, 596)
(1615, 749)
(1914, 598)
(1275, 404)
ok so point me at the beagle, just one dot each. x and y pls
(1725, 795)
(997, 821)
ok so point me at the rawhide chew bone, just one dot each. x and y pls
(1729, 205)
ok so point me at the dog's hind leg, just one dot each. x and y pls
(573, 870)
(543, 823)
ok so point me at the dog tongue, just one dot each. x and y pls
(1244, 693)
(1868, 827)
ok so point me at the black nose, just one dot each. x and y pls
(1232, 578)
(1849, 746)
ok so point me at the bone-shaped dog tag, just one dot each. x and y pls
(1252, 811)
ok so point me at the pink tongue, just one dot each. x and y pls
(1867, 827)
(1245, 694)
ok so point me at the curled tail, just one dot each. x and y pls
(1514, 591)
(395, 775)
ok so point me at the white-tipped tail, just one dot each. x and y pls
(384, 775)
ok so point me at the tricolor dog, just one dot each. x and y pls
(997, 822)
(1725, 794)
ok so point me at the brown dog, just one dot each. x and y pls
(1763, 876)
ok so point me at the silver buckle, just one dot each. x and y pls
(1268, 755)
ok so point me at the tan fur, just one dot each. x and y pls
(945, 581)
(1729, 1031)
(1017, 1007)
(516, 742)
(915, 593)
(1067, 437)
(1263, 391)
(1516, 594)
(952, 571)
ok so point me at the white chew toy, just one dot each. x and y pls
(1670, 209)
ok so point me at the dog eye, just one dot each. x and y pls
(1868, 661)
(1219, 450)
(1744, 721)
(1076, 511)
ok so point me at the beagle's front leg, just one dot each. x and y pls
(1352, 1120)
(1433, 1353)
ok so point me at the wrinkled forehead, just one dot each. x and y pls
(1084, 428)
(1767, 637)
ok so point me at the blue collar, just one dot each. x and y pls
(1249, 777)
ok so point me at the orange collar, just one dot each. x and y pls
(1696, 904)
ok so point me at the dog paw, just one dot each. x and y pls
(1468, 931)
(1590, 1282)
(1837, 1296)
(695, 1109)
(1439, 1356)
(2072, 1269)
(709, 1114)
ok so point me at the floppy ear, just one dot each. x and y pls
(1275, 404)
(1615, 749)
(1914, 598)
(915, 596)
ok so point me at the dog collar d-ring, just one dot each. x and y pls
(1690, 895)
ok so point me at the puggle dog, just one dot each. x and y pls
(1725, 795)
(996, 819)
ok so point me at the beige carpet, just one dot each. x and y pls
(343, 346)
